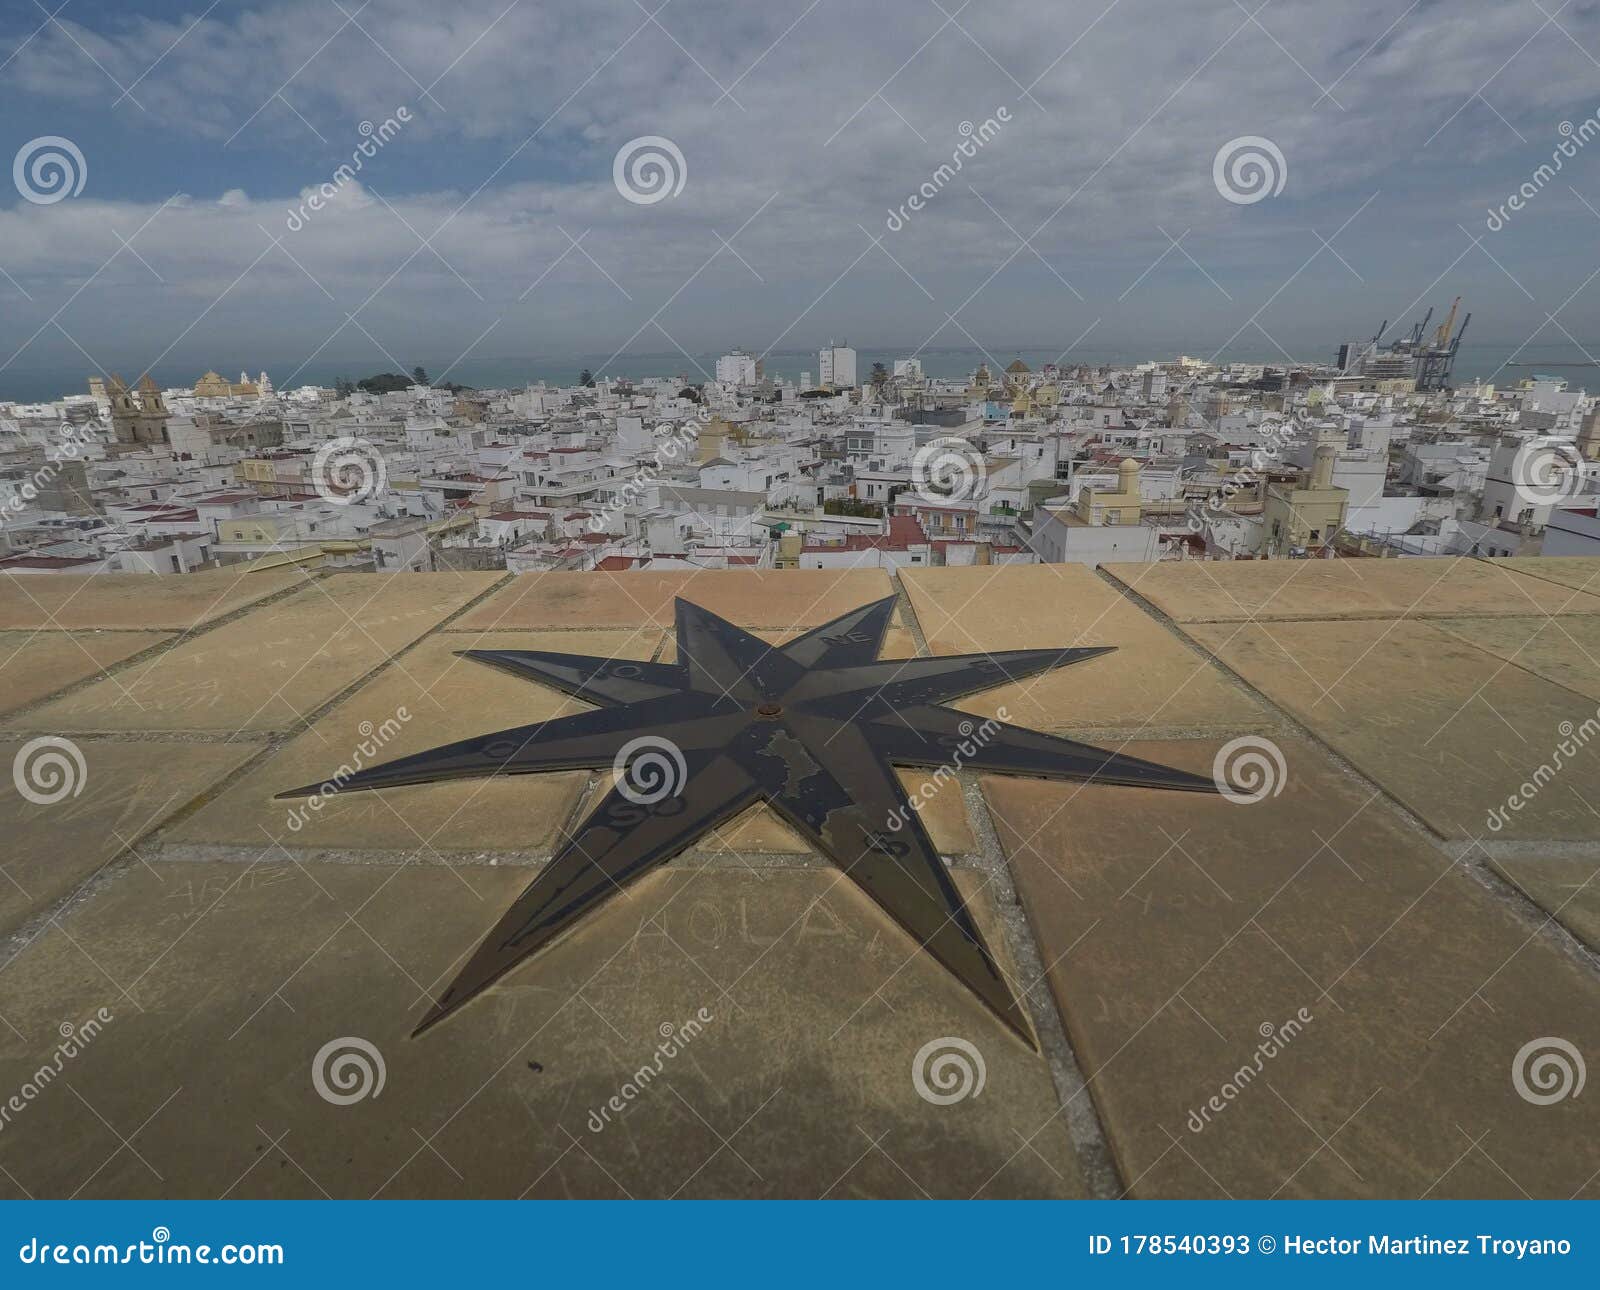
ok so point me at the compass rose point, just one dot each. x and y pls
(813, 727)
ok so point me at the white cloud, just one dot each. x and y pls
(1110, 142)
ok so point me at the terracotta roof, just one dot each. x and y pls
(904, 533)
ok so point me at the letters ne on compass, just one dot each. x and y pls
(814, 728)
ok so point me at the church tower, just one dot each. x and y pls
(153, 412)
(137, 417)
(124, 411)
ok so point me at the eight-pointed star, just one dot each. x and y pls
(813, 728)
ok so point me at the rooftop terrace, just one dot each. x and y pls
(1326, 992)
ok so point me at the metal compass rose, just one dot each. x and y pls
(813, 728)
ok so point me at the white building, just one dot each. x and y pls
(837, 366)
(1527, 475)
(737, 368)
(1573, 531)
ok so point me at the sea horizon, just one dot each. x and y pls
(1503, 363)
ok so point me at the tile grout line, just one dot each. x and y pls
(1527, 669)
(281, 738)
(120, 861)
(176, 636)
(1498, 561)
(1372, 615)
(1527, 912)
(481, 858)
(1097, 1163)
(1086, 1131)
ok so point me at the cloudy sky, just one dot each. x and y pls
(491, 227)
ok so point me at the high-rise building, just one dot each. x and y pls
(837, 366)
(737, 368)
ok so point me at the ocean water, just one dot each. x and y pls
(1505, 364)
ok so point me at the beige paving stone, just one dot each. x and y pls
(1563, 650)
(444, 698)
(224, 981)
(1440, 724)
(264, 670)
(1276, 590)
(1580, 573)
(1152, 678)
(34, 665)
(133, 600)
(124, 791)
(1180, 928)
(785, 598)
(1565, 887)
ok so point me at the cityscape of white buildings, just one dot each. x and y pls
(1182, 460)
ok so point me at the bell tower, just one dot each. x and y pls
(153, 415)
(138, 416)
(124, 411)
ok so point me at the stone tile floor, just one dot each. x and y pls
(1341, 989)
